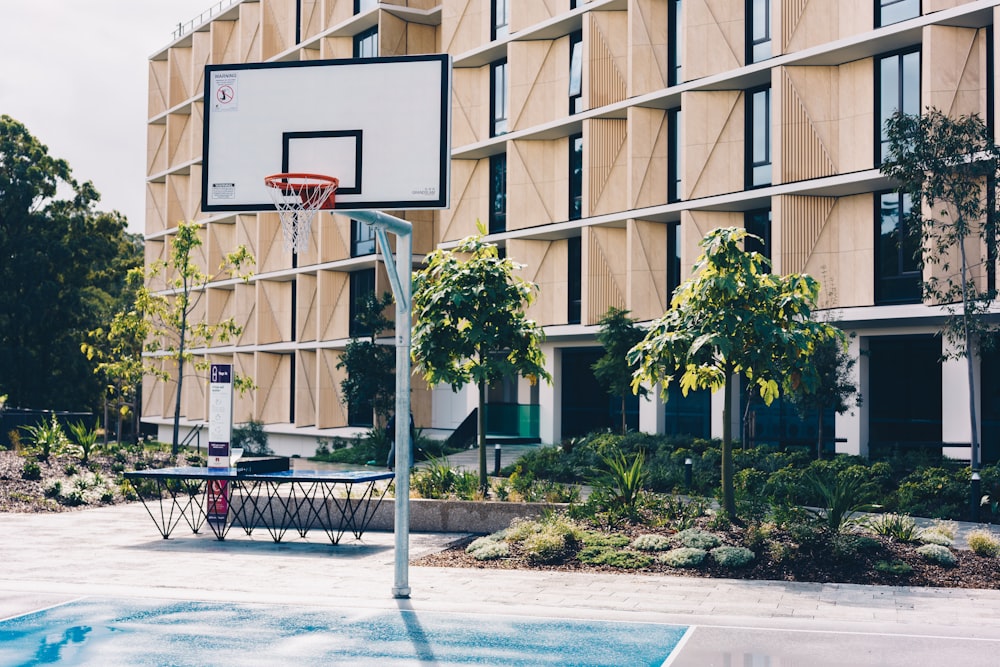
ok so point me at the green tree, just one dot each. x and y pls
(946, 166)
(371, 377)
(62, 269)
(733, 319)
(173, 331)
(835, 388)
(618, 334)
(470, 325)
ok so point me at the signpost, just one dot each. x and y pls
(220, 430)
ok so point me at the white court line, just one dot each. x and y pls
(679, 646)
(759, 628)
(41, 609)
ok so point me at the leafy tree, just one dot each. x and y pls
(947, 165)
(733, 319)
(168, 314)
(835, 388)
(371, 378)
(470, 325)
(618, 334)
(62, 270)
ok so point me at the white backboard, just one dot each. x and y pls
(380, 125)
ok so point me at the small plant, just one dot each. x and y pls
(894, 567)
(931, 536)
(899, 527)
(84, 439)
(935, 553)
(252, 438)
(651, 543)
(625, 560)
(698, 539)
(46, 438)
(550, 540)
(734, 557)
(683, 557)
(842, 497)
(71, 469)
(622, 483)
(490, 547)
(31, 470)
(52, 488)
(984, 543)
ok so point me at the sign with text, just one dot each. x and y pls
(220, 430)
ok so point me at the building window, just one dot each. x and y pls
(362, 239)
(898, 89)
(501, 19)
(498, 98)
(362, 288)
(361, 6)
(498, 193)
(366, 43)
(898, 274)
(574, 280)
(673, 155)
(758, 137)
(888, 12)
(674, 43)
(758, 30)
(758, 223)
(575, 176)
(575, 73)
(673, 258)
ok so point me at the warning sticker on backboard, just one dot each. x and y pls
(224, 89)
(223, 191)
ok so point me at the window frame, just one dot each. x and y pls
(881, 5)
(498, 215)
(354, 327)
(900, 94)
(758, 47)
(575, 72)
(575, 174)
(752, 167)
(498, 123)
(499, 19)
(357, 238)
(675, 42)
(759, 222)
(574, 279)
(675, 166)
(675, 267)
(363, 39)
(906, 269)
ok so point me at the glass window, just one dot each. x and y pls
(674, 43)
(498, 97)
(673, 258)
(362, 288)
(893, 11)
(501, 19)
(362, 239)
(576, 72)
(575, 176)
(758, 30)
(574, 280)
(898, 274)
(364, 5)
(498, 193)
(673, 155)
(898, 90)
(758, 223)
(688, 415)
(758, 139)
(366, 43)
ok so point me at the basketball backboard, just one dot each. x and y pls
(380, 125)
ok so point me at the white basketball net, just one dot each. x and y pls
(297, 199)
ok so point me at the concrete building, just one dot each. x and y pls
(600, 141)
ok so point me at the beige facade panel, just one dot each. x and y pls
(269, 248)
(195, 396)
(956, 84)
(526, 13)
(545, 265)
(220, 240)
(803, 24)
(712, 155)
(465, 25)
(180, 204)
(714, 37)
(330, 409)
(245, 313)
(156, 207)
(856, 116)
(219, 304)
(470, 94)
(272, 399)
(183, 136)
(469, 198)
(804, 109)
(606, 58)
(181, 87)
(277, 28)
(647, 65)
(225, 42)
(647, 269)
(159, 77)
(537, 183)
(539, 82)
(169, 393)
(605, 166)
(397, 37)
(332, 238)
(156, 148)
(647, 157)
(605, 278)
(931, 6)
(307, 307)
(274, 311)
(201, 55)
(244, 364)
(152, 396)
(333, 316)
(249, 33)
(305, 388)
(312, 21)
(800, 223)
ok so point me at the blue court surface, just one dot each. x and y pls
(104, 632)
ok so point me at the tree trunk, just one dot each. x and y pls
(970, 366)
(819, 436)
(728, 492)
(624, 422)
(481, 419)
(175, 442)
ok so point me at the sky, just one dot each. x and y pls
(75, 74)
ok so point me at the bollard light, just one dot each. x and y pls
(496, 460)
(688, 472)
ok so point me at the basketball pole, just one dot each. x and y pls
(400, 272)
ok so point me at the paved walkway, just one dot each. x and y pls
(116, 552)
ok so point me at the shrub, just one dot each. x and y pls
(683, 557)
(935, 553)
(626, 560)
(933, 492)
(31, 470)
(46, 439)
(593, 538)
(899, 527)
(841, 497)
(84, 439)
(52, 488)
(984, 543)
(931, 536)
(651, 543)
(622, 481)
(252, 438)
(896, 567)
(698, 539)
(727, 556)
(551, 540)
(488, 548)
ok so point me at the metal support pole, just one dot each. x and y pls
(400, 273)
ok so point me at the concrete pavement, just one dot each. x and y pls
(116, 552)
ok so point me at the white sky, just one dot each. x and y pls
(75, 73)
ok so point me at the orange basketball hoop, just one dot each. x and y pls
(297, 198)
